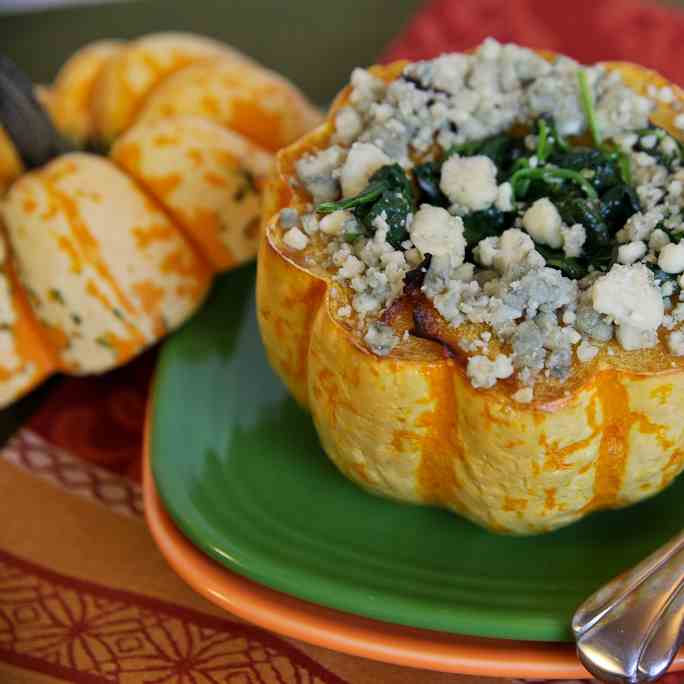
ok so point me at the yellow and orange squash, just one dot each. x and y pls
(101, 255)
(411, 427)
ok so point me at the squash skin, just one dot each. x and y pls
(130, 75)
(101, 256)
(411, 427)
(252, 101)
(100, 295)
(25, 360)
(69, 99)
(207, 177)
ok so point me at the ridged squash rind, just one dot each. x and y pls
(410, 426)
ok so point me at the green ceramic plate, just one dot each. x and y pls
(240, 470)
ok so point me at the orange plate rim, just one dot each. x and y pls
(344, 632)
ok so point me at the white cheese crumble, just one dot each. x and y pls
(435, 231)
(348, 125)
(675, 343)
(543, 222)
(366, 89)
(629, 295)
(469, 182)
(484, 372)
(574, 238)
(381, 339)
(657, 240)
(363, 160)
(503, 252)
(289, 218)
(334, 223)
(295, 239)
(504, 197)
(671, 258)
(632, 338)
(524, 395)
(631, 252)
(586, 351)
(316, 173)
(351, 268)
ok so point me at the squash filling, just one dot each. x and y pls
(524, 213)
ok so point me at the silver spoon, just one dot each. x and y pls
(631, 629)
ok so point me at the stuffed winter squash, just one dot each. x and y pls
(108, 253)
(470, 274)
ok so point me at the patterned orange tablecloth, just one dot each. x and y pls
(85, 597)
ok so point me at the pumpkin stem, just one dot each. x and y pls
(25, 121)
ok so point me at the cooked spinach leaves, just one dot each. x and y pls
(491, 222)
(574, 209)
(388, 196)
(427, 177)
(551, 176)
(571, 267)
(617, 205)
(393, 208)
(591, 186)
(588, 106)
(504, 150)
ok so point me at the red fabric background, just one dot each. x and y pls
(588, 30)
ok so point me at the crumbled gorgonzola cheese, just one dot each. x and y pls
(348, 125)
(524, 395)
(631, 252)
(363, 160)
(334, 223)
(632, 338)
(675, 343)
(503, 252)
(657, 240)
(289, 218)
(381, 339)
(484, 372)
(504, 197)
(629, 295)
(586, 351)
(435, 231)
(295, 239)
(469, 182)
(574, 238)
(316, 173)
(502, 282)
(543, 222)
(671, 258)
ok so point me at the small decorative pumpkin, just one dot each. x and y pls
(410, 426)
(103, 255)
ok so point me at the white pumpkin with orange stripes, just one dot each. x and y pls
(108, 253)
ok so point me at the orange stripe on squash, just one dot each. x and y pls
(87, 245)
(27, 332)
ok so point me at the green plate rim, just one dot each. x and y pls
(491, 620)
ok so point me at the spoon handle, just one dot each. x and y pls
(631, 629)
